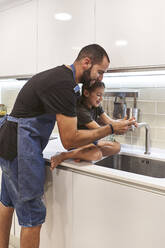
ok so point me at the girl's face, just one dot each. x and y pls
(95, 97)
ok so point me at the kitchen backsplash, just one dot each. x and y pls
(8, 97)
(150, 101)
(152, 110)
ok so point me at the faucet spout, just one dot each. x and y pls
(147, 137)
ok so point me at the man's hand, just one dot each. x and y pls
(122, 126)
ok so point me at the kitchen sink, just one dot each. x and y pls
(142, 166)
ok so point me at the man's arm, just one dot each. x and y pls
(72, 137)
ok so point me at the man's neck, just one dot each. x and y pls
(79, 71)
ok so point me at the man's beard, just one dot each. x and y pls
(86, 76)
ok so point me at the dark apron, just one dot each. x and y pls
(33, 135)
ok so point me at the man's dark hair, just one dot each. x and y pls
(95, 52)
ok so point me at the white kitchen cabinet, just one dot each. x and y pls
(18, 42)
(60, 41)
(6, 4)
(107, 214)
(17, 227)
(131, 31)
(57, 230)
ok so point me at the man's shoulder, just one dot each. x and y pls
(59, 76)
(61, 71)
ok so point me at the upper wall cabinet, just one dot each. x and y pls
(18, 39)
(132, 31)
(64, 27)
(6, 4)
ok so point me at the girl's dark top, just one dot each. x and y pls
(86, 114)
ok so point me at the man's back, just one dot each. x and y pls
(49, 92)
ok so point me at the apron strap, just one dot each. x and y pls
(74, 71)
(2, 120)
(12, 119)
(77, 87)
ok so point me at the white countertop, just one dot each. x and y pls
(156, 185)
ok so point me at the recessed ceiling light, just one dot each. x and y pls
(121, 43)
(63, 16)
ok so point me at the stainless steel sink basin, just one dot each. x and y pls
(142, 166)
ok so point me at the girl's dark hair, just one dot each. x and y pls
(90, 88)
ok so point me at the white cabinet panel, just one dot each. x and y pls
(12, 231)
(18, 39)
(113, 215)
(60, 41)
(131, 31)
(6, 4)
(17, 227)
(57, 230)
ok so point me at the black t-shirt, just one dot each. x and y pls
(49, 92)
(85, 115)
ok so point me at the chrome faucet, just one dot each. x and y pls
(147, 136)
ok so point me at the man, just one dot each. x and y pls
(47, 97)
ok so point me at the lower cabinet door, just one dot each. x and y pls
(107, 214)
(57, 230)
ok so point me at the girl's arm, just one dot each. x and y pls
(105, 119)
(92, 125)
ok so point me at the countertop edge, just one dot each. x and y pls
(90, 169)
(156, 185)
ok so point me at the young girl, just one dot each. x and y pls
(89, 115)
